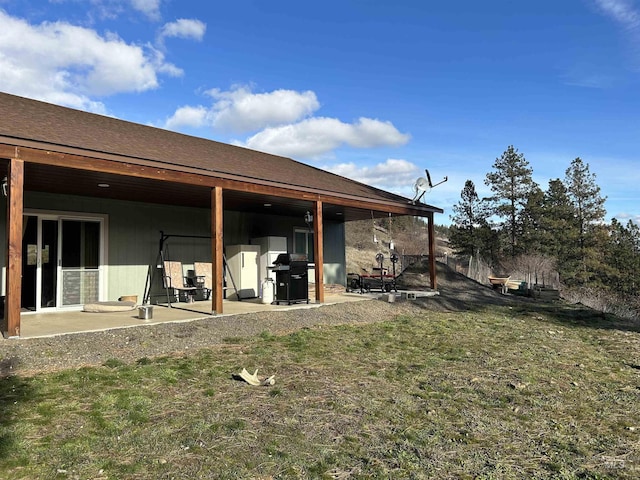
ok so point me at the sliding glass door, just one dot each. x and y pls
(80, 262)
(62, 261)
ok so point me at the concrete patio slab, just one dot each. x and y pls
(61, 323)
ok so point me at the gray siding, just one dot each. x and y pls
(134, 232)
(241, 227)
(133, 236)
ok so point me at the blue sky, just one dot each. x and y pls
(373, 90)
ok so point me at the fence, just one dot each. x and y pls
(533, 272)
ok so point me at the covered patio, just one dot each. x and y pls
(115, 185)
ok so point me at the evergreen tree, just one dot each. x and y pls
(558, 232)
(468, 234)
(623, 257)
(530, 222)
(511, 183)
(588, 205)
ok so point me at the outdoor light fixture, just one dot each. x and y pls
(308, 218)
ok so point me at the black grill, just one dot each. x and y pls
(292, 278)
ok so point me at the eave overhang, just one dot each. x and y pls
(44, 158)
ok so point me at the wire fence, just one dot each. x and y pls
(541, 281)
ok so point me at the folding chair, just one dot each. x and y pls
(203, 277)
(174, 279)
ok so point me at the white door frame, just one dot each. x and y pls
(60, 216)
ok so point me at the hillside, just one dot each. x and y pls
(457, 292)
(406, 236)
(409, 239)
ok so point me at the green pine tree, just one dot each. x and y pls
(558, 232)
(588, 205)
(470, 231)
(511, 183)
(530, 222)
(623, 257)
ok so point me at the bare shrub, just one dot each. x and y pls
(534, 269)
(604, 301)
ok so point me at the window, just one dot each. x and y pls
(303, 242)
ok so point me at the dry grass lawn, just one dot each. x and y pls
(504, 392)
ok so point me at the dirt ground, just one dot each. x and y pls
(30, 356)
(457, 292)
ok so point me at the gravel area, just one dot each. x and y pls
(30, 356)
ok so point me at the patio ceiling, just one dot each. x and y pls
(69, 181)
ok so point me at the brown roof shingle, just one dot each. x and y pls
(53, 126)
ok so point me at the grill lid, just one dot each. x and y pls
(289, 258)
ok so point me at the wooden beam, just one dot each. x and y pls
(134, 167)
(15, 210)
(217, 259)
(432, 252)
(318, 251)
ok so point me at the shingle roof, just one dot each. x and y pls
(56, 126)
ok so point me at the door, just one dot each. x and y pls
(80, 261)
(48, 264)
(61, 262)
(29, 262)
(39, 263)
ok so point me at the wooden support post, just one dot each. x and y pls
(217, 262)
(15, 210)
(318, 251)
(432, 252)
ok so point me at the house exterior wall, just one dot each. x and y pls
(133, 234)
(241, 227)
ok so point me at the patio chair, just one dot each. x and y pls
(174, 279)
(203, 277)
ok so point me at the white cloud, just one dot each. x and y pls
(399, 176)
(184, 28)
(317, 136)
(392, 174)
(66, 64)
(189, 117)
(286, 127)
(627, 15)
(112, 9)
(622, 11)
(624, 218)
(241, 110)
(151, 8)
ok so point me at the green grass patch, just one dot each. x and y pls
(506, 393)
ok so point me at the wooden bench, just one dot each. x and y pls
(500, 282)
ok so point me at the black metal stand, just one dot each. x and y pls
(160, 259)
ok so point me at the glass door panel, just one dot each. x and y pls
(49, 263)
(80, 261)
(29, 262)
